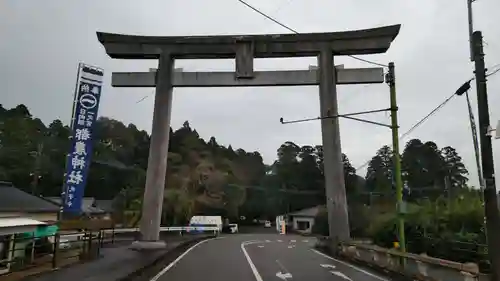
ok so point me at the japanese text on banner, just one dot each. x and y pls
(79, 157)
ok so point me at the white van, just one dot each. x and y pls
(206, 221)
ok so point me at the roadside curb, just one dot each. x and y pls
(389, 275)
(146, 272)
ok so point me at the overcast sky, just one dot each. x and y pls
(42, 43)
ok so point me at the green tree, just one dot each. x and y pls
(454, 168)
(380, 169)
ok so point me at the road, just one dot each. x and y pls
(260, 257)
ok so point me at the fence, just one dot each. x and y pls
(30, 254)
(416, 267)
(36, 254)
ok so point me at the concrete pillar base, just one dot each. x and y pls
(148, 245)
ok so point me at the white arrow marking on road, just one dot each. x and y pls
(260, 246)
(283, 276)
(340, 274)
(349, 265)
(328, 266)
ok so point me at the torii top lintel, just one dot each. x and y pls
(366, 41)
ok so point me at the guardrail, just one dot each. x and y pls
(30, 254)
(416, 267)
(180, 229)
(173, 228)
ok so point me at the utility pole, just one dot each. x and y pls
(491, 211)
(391, 80)
(474, 141)
(471, 27)
(37, 165)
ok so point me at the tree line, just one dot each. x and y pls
(204, 177)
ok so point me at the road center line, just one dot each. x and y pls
(249, 260)
(163, 271)
(349, 265)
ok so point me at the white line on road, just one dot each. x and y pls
(340, 274)
(282, 266)
(249, 260)
(328, 266)
(261, 246)
(268, 241)
(280, 240)
(283, 276)
(293, 241)
(305, 241)
(291, 246)
(349, 265)
(157, 276)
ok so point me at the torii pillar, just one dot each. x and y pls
(244, 48)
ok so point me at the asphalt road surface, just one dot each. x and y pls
(260, 257)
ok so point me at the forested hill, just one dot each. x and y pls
(203, 176)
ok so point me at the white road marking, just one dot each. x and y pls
(268, 241)
(283, 267)
(328, 266)
(305, 241)
(157, 276)
(283, 276)
(249, 260)
(340, 274)
(291, 246)
(280, 240)
(261, 246)
(349, 265)
(293, 241)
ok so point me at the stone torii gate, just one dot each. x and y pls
(244, 48)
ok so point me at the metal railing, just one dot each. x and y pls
(26, 252)
(417, 267)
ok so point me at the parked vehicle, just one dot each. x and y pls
(233, 227)
(207, 221)
(64, 244)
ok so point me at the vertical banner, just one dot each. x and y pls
(85, 108)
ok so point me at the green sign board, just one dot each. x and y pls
(42, 231)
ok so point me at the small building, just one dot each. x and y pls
(24, 219)
(302, 221)
(89, 208)
(10, 229)
(16, 203)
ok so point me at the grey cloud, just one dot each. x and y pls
(43, 41)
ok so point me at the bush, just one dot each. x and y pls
(320, 226)
(447, 229)
(358, 222)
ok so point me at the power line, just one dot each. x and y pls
(296, 32)
(268, 17)
(419, 123)
(436, 109)
(494, 71)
